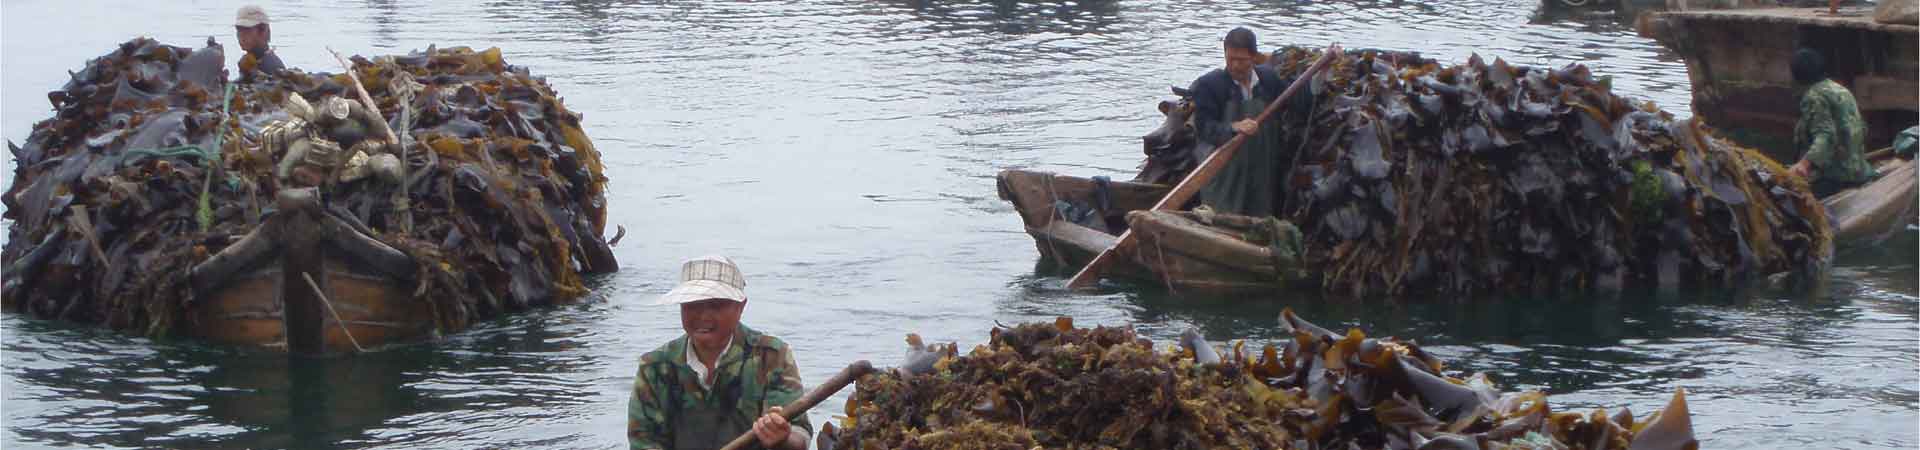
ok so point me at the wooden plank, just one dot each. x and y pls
(1033, 193)
(1860, 216)
(1185, 236)
(1083, 238)
(1882, 92)
(1855, 19)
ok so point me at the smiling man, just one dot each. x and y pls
(718, 380)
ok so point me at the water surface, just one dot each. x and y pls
(843, 152)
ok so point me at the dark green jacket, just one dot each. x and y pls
(1833, 134)
(757, 372)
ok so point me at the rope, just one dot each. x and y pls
(162, 152)
(1053, 198)
(1166, 271)
(205, 213)
(336, 314)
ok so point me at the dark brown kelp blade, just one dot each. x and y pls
(1047, 386)
(1411, 177)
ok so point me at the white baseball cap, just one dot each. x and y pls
(705, 278)
(250, 16)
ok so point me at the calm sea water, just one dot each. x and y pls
(843, 153)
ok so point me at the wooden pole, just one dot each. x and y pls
(1201, 175)
(1880, 154)
(406, 215)
(801, 405)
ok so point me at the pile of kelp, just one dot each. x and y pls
(1056, 386)
(147, 168)
(1473, 179)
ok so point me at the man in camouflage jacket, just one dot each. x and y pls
(1830, 130)
(720, 379)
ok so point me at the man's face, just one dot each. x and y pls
(1240, 63)
(253, 38)
(711, 322)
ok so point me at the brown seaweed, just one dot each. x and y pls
(1482, 179)
(507, 192)
(1054, 386)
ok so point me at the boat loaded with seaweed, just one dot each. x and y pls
(1052, 385)
(1475, 179)
(149, 203)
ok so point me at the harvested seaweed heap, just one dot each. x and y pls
(1056, 386)
(1479, 179)
(506, 190)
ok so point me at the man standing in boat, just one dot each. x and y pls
(1225, 102)
(256, 36)
(1830, 131)
(720, 379)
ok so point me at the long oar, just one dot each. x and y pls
(1200, 176)
(801, 405)
(1880, 154)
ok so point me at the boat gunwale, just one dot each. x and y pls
(1790, 16)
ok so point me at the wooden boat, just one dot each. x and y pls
(1866, 215)
(307, 282)
(1181, 250)
(1194, 252)
(1737, 62)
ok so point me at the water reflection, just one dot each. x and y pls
(129, 392)
(1014, 17)
(386, 24)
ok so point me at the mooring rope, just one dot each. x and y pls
(1053, 198)
(1166, 271)
(336, 314)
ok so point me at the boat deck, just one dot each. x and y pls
(1858, 17)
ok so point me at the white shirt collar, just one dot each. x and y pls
(1246, 90)
(693, 361)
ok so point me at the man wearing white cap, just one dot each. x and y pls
(718, 380)
(255, 35)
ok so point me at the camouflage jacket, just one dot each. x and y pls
(756, 372)
(1833, 134)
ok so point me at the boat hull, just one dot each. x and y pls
(308, 282)
(376, 311)
(1189, 251)
(1172, 249)
(1737, 63)
(1866, 215)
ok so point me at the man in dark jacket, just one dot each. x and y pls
(251, 28)
(1225, 102)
